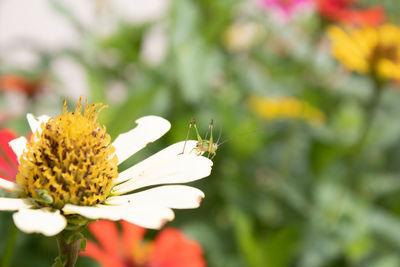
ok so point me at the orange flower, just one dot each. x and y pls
(342, 11)
(8, 159)
(18, 83)
(169, 249)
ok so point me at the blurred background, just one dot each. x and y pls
(308, 173)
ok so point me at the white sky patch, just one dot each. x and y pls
(140, 11)
(154, 46)
(71, 76)
(34, 22)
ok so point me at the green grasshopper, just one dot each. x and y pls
(203, 145)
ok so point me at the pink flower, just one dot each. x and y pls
(285, 9)
(8, 160)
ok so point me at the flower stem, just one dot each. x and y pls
(68, 252)
(9, 248)
(370, 111)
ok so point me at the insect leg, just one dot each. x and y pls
(199, 139)
(208, 130)
(213, 155)
(210, 127)
(192, 122)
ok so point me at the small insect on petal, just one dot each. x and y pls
(203, 145)
(43, 196)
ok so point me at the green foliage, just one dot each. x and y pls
(283, 191)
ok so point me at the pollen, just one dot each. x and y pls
(71, 160)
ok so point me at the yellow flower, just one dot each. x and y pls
(373, 51)
(285, 107)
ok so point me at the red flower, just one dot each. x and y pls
(8, 159)
(343, 12)
(169, 249)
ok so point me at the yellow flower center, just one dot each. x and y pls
(70, 161)
(141, 253)
(382, 52)
(374, 51)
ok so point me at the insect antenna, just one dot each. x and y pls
(220, 134)
(237, 136)
(210, 142)
(223, 142)
(208, 130)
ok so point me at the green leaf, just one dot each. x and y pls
(83, 244)
(246, 239)
(60, 261)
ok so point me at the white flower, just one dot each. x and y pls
(149, 208)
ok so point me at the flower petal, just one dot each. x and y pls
(171, 196)
(35, 123)
(106, 260)
(14, 203)
(42, 221)
(176, 169)
(18, 145)
(8, 159)
(132, 234)
(9, 186)
(149, 129)
(166, 153)
(172, 248)
(106, 233)
(148, 216)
